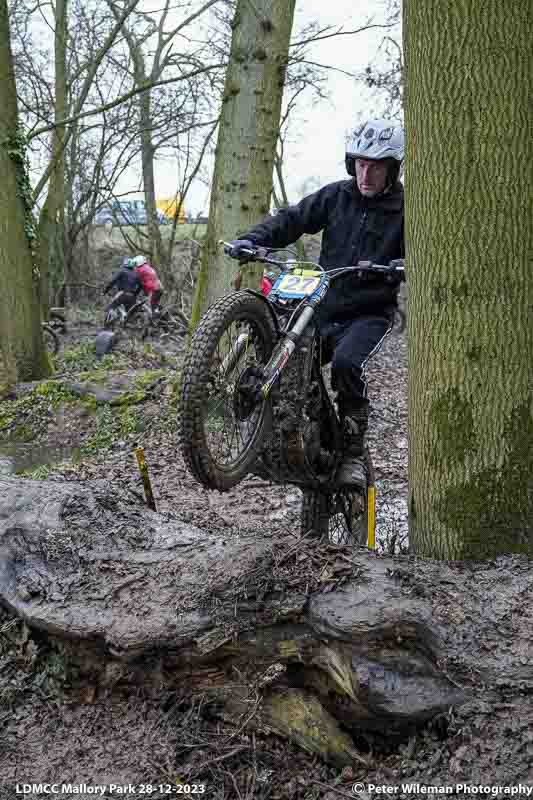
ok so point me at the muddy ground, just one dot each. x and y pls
(69, 439)
(52, 729)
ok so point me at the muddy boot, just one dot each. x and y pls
(352, 470)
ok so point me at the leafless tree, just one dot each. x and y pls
(154, 40)
(103, 108)
(385, 74)
(22, 355)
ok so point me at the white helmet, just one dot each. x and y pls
(376, 140)
(138, 261)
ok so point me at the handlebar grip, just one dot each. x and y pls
(228, 251)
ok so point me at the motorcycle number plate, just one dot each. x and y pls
(296, 285)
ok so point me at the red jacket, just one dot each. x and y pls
(148, 278)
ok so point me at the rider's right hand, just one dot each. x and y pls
(237, 248)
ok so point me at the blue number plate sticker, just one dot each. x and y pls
(296, 286)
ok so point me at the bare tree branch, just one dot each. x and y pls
(84, 93)
(340, 32)
(327, 67)
(119, 100)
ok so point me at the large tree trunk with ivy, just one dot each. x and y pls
(248, 132)
(469, 225)
(21, 344)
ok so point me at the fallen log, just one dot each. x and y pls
(327, 642)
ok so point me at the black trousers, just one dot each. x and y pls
(122, 298)
(350, 345)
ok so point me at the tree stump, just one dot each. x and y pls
(327, 641)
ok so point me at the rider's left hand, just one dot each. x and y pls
(238, 248)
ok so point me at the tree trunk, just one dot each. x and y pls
(74, 227)
(21, 344)
(147, 148)
(52, 218)
(248, 132)
(147, 156)
(284, 199)
(469, 88)
(327, 642)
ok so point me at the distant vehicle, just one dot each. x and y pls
(126, 212)
(169, 207)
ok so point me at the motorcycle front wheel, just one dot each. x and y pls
(111, 319)
(221, 425)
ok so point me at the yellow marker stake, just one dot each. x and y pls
(143, 469)
(371, 517)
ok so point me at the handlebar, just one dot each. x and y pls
(262, 254)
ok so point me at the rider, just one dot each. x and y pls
(151, 284)
(361, 219)
(127, 285)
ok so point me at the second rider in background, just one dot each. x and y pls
(152, 286)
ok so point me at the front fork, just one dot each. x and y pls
(284, 351)
(235, 352)
(279, 358)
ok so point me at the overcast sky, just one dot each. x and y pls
(317, 140)
(318, 148)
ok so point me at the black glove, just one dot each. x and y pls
(235, 250)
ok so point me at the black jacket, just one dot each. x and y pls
(354, 228)
(125, 280)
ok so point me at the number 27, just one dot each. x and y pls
(294, 282)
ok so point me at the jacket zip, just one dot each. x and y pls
(362, 225)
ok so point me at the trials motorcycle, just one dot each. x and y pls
(254, 397)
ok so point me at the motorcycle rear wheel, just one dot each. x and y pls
(220, 431)
(340, 516)
(137, 318)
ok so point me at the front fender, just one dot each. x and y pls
(268, 305)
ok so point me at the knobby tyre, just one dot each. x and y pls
(340, 516)
(314, 515)
(138, 320)
(51, 339)
(400, 321)
(111, 320)
(57, 320)
(220, 430)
